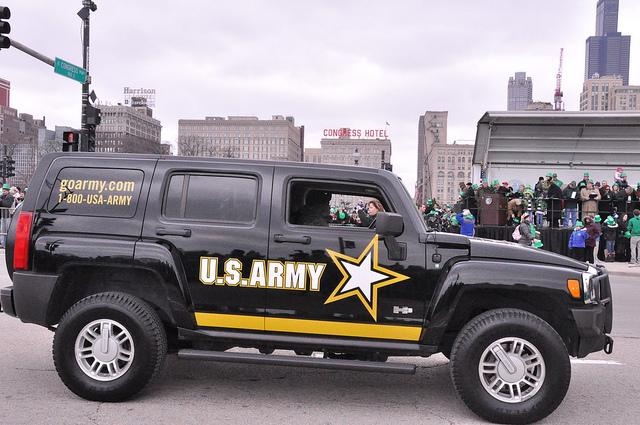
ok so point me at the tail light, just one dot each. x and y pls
(22, 241)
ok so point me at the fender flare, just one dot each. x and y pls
(485, 284)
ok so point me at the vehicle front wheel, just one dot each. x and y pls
(108, 346)
(510, 366)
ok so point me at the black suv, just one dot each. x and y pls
(129, 257)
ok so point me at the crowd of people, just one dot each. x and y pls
(551, 202)
(597, 211)
(10, 198)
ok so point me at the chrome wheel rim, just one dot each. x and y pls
(512, 370)
(104, 350)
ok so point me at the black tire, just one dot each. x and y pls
(507, 325)
(146, 340)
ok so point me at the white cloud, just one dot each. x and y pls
(329, 64)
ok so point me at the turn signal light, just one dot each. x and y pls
(573, 285)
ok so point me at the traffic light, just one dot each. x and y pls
(94, 118)
(70, 141)
(10, 167)
(94, 115)
(5, 27)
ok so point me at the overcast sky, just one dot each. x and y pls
(330, 64)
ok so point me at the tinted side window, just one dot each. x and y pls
(212, 197)
(173, 200)
(100, 192)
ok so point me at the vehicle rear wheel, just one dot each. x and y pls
(510, 366)
(108, 346)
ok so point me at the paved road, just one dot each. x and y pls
(604, 389)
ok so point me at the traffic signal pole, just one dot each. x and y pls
(89, 113)
(32, 52)
(90, 116)
(84, 15)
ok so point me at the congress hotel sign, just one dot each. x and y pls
(371, 133)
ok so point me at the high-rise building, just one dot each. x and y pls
(519, 92)
(607, 17)
(363, 152)
(441, 166)
(5, 91)
(625, 98)
(128, 129)
(597, 92)
(242, 137)
(607, 53)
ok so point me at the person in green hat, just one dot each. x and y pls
(623, 183)
(633, 227)
(583, 183)
(610, 234)
(577, 242)
(557, 181)
(467, 223)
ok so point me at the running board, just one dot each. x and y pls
(299, 361)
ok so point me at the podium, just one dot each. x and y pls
(493, 209)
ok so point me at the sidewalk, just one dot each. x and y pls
(622, 268)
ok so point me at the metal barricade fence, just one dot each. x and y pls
(6, 214)
(548, 212)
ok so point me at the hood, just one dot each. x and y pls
(502, 250)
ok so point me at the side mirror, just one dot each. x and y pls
(389, 224)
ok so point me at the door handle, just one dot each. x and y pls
(161, 231)
(305, 240)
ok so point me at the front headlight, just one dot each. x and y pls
(590, 288)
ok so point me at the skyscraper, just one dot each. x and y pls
(519, 92)
(607, 53)
(607, 17)
(441, 165)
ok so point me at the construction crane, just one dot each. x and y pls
(558, 104)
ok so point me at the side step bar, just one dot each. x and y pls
(300, 361)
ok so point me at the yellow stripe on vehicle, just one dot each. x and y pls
(315, 327)
(234, 321)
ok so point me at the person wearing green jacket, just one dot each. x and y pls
(633, 227)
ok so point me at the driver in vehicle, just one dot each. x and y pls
(369, 219)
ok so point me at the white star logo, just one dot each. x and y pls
(362, 277)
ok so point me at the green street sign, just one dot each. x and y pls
(70, 70)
